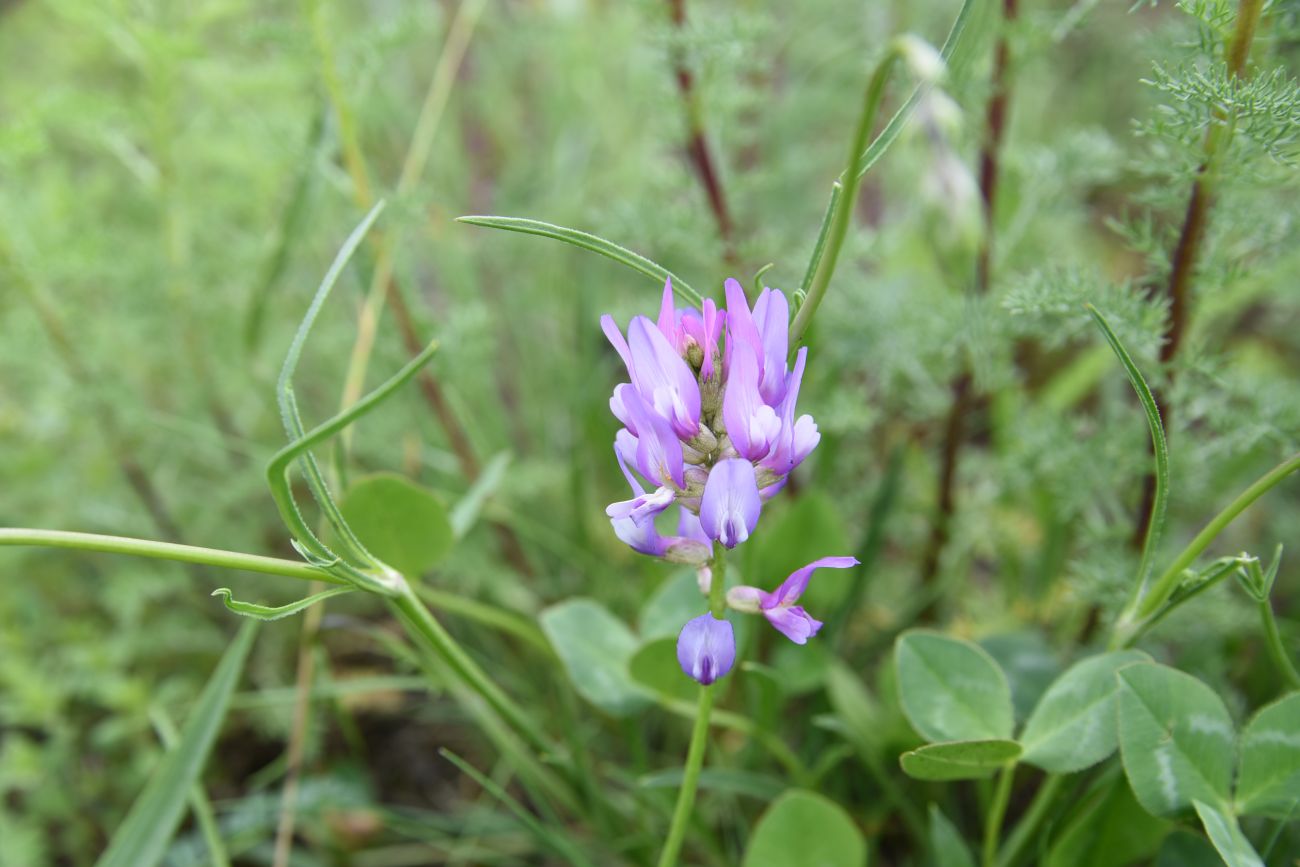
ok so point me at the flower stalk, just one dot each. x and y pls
(700, 732)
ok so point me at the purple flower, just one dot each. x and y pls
(706, 648)
(731, 505)
(709, 418)
(634, 523)
(779, 606)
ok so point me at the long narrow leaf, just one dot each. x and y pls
(141, 840)
(1160, 446)
(594, 243)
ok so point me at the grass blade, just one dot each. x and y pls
(1160, 502)
(141, 840)
(595, 244)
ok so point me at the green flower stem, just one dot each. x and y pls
(837, 227)
(426, 629)
(700, 733)
(997, 811)
(1165, 584)
(1276, 650)
(166, 551)
(1030, 822)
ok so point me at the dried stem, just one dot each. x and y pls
(697, 144)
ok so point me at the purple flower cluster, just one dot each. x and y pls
(708, 421)
(709, 425)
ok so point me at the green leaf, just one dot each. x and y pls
(595, 244)
(1268, 782)
(762, 787)
(1029, 663)
(141, 840)
(1176, 739)
(1110, 829)
(1185, 849)
(655, 667)
(807, 829)
(853, 704)
(398, 521)
(950, 689)
(946, 843)
(959, 760)
(266, 612)
(596, 648)
(1224, 832)
(1073, 726)
(1159, 447)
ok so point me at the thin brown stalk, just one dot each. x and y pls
(964, 396)
(1178, 288)
(697, 143)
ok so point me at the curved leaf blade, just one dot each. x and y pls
(807, 829)
(277, 612)
(1268, 782)
(593, 243)
(959, 760)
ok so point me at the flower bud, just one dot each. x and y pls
(706, 648)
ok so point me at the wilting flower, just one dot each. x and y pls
(708, 418)
(779, 606)
(706, 648)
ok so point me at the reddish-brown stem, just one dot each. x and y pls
(697, 144)
(1182, 268)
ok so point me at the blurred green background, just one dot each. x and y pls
(175, 178)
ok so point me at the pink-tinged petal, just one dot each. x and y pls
(797, 439)
(706, 648)
(794, 586)
(772, 319)
(615, 337)
(794, 623)
(618, 406)
(668, 323)
(658, 451)
(730, 506)
(752, 425)
(663, 378)
(625, 446)
(714, 321)
(740, 324)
